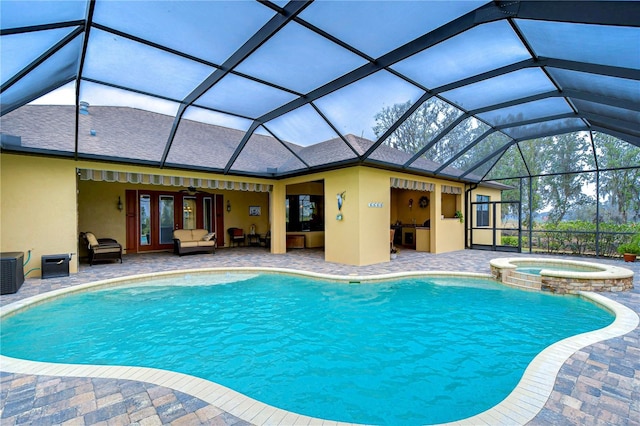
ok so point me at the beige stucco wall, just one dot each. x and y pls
(239, 215)
(38, 208)
(342, 236)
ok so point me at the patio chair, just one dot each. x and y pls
(236, 236)
(101, 248)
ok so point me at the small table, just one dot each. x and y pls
(254, 239)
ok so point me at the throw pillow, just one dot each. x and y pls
(209, 236)
(91, 239)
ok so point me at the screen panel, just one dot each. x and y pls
(20, 13)
(595, 44)
(51, 74)
(427, 122)
(265, 154)
(504, 88)
(302, 126)
(527, 111)
(131, 65)
(372, 26)
(457, 139)
(299, 59)
(544, 128)
(187, 26)
(564, 153)
(19, 50)
(355, 109)
(481, 49)
(248, 98)
(509, 165)
(614, 87)
(494, 142)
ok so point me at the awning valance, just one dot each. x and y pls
(412, 184)
(149, 179)
(448, 189)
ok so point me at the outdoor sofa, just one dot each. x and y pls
(193, 241)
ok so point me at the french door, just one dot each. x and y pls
(153, 215)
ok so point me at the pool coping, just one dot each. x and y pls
(525, 401)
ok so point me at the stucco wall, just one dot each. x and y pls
(341, 236)
(38, 209)
(374, 221)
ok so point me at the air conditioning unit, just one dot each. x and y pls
(11, 272)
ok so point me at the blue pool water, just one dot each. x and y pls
(404, 352)
(535, 270)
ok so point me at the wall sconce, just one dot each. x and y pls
(120, 206)
(410, 203)
(228, 206)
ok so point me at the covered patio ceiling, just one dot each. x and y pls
(276, 89)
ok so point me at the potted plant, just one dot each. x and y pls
(460, 216)
(631, 250)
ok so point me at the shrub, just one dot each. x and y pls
(632, 247)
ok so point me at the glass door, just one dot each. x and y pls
(145, 220)
(156, 220)
(159, 213)
(189, 213)
(167, 215)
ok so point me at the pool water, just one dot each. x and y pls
(535, 270)
(411, 351)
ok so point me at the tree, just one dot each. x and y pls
(417, 130)
(563, 191)
(620, 189)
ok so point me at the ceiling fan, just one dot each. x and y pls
(192, 190)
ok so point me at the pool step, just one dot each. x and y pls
(518, 279)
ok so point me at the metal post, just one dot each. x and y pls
(530, 214)
(597, 213)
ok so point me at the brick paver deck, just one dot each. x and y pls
(599, 384)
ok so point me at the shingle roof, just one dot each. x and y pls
(142, 135)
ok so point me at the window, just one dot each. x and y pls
(482, 210)
(145, 220)
(305, 213)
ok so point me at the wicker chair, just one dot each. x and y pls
(236, 236)
(101, 248)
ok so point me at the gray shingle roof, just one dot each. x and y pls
(134, 134)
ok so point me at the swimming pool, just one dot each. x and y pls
(363, 339)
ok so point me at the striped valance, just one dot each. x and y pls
(447, 189)
(149, 179)
(412, 184)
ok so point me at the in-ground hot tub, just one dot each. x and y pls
(560, 275)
